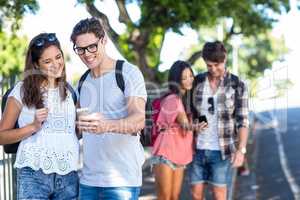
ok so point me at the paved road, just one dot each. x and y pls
(274, 159)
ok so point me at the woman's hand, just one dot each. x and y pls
(39, 117)
(199, 127)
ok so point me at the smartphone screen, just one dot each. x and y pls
(202, 118)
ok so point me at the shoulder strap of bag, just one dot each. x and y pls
(119, 75)
(82, 79)
(73, 93)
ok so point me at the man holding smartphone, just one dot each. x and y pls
(223, 99)
(112, 152)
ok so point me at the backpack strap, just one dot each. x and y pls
(73, 93)
(237, 85)
(234, 84)
(200, 78)
(82, 79)
(234, 81)
(4, 98)
(119, 75)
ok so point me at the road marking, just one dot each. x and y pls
(284, 165)
(148, 197)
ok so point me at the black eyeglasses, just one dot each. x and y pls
(92, 48)
(211, 109)
(50, 37)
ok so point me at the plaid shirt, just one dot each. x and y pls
(232, 109)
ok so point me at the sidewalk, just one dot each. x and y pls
(246, 185)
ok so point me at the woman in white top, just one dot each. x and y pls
(48, 154)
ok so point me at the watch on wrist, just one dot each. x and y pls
(243, 150)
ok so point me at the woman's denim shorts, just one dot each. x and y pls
(156, 160)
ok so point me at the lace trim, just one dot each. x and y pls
(48, 160)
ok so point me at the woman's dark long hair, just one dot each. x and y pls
(34, 77)
(174, 81)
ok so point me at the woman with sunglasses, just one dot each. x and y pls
(173, 148)
(47, 156)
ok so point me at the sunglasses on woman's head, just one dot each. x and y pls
(51, 37)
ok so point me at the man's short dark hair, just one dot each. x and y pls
(89, 25)
(214, 52)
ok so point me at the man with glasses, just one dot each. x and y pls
(112, 153)
(222, 97)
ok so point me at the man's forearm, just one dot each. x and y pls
(243, 137)
(131, 124)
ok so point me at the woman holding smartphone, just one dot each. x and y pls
(173, 148)
(48, 154)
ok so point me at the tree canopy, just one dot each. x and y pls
(255, 53)
(143, 39)
(12, 53)
(13, 47)
(14, 10)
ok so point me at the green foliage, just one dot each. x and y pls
(249, 16)
(142, 42)
(154, 46)
(12, 54)
(12, 47)
(126, 47)
(282, 86)
(258, 52)
(144, 38)
(14, 10)
(174, 14)
(255, 53)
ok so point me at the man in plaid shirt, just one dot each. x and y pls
(222, 97)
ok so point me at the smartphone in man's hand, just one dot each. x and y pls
(82, 112)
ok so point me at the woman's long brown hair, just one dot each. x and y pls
(34, 78)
